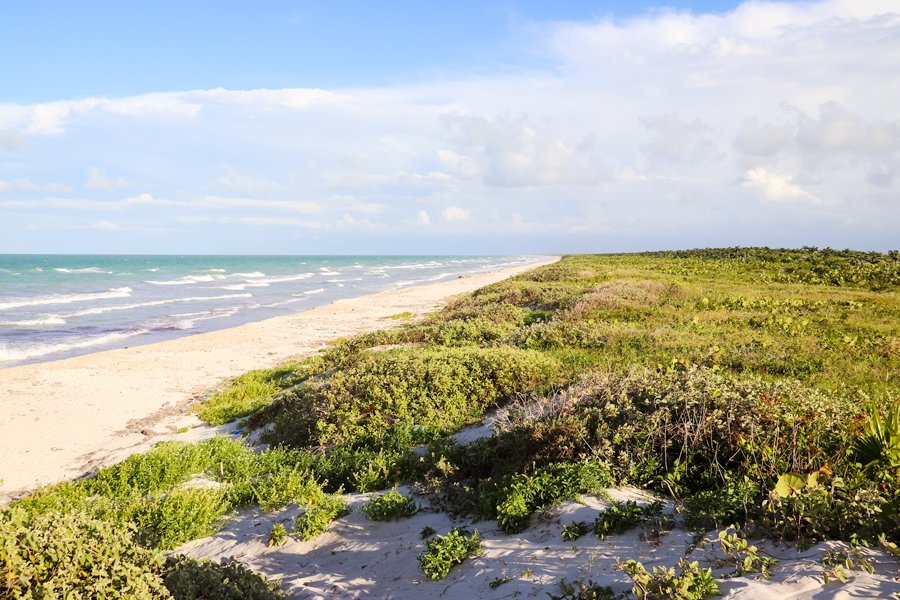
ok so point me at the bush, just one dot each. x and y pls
(514, 500)
(391, 506)
(686, 429)
(441, 389)
(74, 556)
(189, 579)
(446, 551)
(314, 521)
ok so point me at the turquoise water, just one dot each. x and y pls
(57, 306)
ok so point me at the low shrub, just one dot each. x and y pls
(514, 499)
(314, 521)
(440, 389)
(690, 582)
(686, 429)
(74, 556)
(189, 579)
(446, 551)
(251, 391)
(391, 506)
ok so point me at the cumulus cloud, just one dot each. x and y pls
(456, 213)
(675, 139)
(775, 187)
(840, 132)
(649, 125)
(762, 140)
(512, 152)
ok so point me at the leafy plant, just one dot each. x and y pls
(314, 521)
(446, 551)
(189, 579)
(690, 582)
(879, 447)
(622, 516)
(390, 507)
(55, 556)
(740, 555)
(837, 563)
(575, 530)
(514, 501)
(278, 535)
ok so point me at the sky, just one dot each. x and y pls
(471, 127)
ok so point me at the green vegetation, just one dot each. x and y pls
(690, 582)
(446, 551)
(755, 387)
(315, 520)
(391, 506)
(402, 315)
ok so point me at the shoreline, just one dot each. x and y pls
(67, 417)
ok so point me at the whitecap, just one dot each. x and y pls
(187, 280)
(8, 353)
(40, 322)
(86, 270)
(116, 307)
(123, 292)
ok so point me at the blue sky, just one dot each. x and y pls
(75, 49)
(411, 127)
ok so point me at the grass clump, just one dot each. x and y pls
(391, 506)
(446, 551)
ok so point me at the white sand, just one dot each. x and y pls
(64, 418)
(359, 558)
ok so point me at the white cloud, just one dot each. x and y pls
(26, 185)
(655, 126)
(455, 213)
(676, 140)
(512, 152)
(757, 139)
(777, 188)
(104, 226)
(280, 222)
(222, 202)
(839, 131)
(98, 180)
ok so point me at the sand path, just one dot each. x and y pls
(64, 418)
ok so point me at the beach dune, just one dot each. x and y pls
(65, 418)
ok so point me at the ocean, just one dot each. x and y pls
(58, 306)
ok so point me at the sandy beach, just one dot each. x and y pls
(67, 417)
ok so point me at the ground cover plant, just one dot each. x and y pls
(754, 387)
(446, 551)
